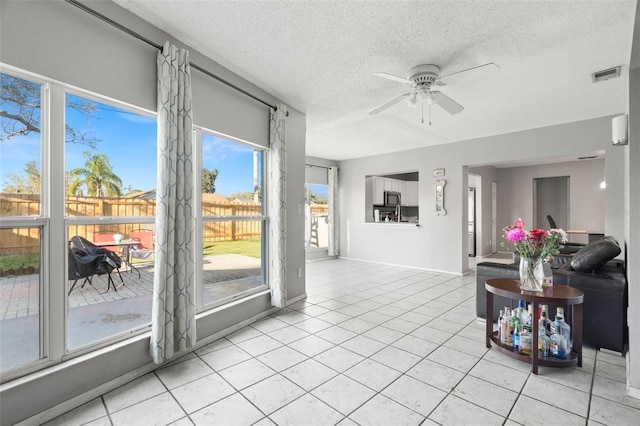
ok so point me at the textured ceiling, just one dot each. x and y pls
(318, 57)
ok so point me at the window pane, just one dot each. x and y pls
(231, 178)
(317, 216)
(232, 259)
(233, 263)
(110, 280)
(20, 281)
(20, 146)
(110, 160)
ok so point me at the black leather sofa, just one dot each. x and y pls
(595, 272)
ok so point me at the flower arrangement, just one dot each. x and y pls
(535, 243)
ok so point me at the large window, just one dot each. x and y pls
(233, 220)
(77, 221)
(73, 168)
(110, 170)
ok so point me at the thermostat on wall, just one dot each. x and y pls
(438, 172)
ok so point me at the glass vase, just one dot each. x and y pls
(531, 273)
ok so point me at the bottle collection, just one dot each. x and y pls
(515, 329)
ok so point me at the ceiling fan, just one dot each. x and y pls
(421, 79)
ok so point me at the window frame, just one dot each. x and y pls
(201, 307)
(44, 223)
(97, 220)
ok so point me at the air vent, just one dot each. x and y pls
(605, 74)
(590, 157)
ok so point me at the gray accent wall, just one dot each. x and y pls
(586, 199)
(71, 46)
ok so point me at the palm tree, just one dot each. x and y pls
(96, 177)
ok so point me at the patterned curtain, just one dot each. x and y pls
(173, 325)
(278, 207)
(334, 228)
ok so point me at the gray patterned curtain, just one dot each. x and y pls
(173, 324)
(277, 207)
(334, 228)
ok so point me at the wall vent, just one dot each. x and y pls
(605, 74)
(590, 157)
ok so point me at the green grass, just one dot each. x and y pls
(14, 261)
(250, 248)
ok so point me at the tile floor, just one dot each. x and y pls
(371, 345)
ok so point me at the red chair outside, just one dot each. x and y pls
(143, 252)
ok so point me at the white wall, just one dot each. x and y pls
(71, 46)
(438, 243)
(631, 213)
(488, 174)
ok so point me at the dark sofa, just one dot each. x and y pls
(591, 270)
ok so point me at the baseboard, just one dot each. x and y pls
(633, 392)
(459, 274)
(79, 400)
(297, 299)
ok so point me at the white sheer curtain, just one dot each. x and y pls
(278, 207)
(173, 325)
(334, 225)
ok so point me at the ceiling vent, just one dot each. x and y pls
(605, 74)
(590, 157)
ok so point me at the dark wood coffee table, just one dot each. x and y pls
(558, 295)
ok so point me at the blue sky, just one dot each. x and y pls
(129, 141)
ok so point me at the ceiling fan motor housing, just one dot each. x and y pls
(424, 75)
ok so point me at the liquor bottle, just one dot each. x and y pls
(516, 327)
(544, 317)
(527, 321)
(507, 331)
(565, 329)
(543, 339)
(500, 317)
(557, 342)
(526, 341)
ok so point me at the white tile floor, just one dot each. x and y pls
(371, 345)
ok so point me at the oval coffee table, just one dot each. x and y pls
(558, 295)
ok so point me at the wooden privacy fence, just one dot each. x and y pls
(26, 240)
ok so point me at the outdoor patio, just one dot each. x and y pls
(95, 313)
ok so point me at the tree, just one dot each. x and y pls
(209, 180)
(27, 183)
(20, 110)
(96, 177)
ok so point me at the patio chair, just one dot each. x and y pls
(87, 260)
(145, 250)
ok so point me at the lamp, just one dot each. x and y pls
(412, 101)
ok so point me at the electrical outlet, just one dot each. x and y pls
(300, 272)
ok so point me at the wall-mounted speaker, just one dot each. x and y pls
(619, 130)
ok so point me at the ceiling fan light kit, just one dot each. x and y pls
(421, 79)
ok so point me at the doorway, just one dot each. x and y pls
(551, 198)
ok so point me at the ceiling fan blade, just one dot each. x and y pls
(393, 78)
(475, 73)
(448, 104)
(388, 104)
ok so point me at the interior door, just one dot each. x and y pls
(551, 198)
(472, 222)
